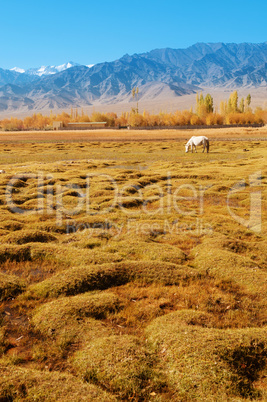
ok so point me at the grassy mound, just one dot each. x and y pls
(68, 322)
(52, 227)
(205, 363)
(227, 265)
(14, 253)
(149, 251)
(29, 236)
(79, 280)
(120, 364)
(60, 337)
(69, 254)
(11, 225)
(53, 315)
(10, 286)
(17, 384)
(82, 279)
(251, 247)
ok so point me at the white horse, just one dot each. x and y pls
(194, 141)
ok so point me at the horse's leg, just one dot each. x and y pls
(204, 146)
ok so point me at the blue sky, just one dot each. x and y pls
(37, 33)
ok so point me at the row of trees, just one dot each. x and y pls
(204, 106)
(231, 112)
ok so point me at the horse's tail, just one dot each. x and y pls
(208, 145)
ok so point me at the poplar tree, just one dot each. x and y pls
(208, 102)
(135, 92)
(200, 104)
(223, 107)
(242, 105)
(234, 101)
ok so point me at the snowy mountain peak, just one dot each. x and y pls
(48, 70)
(45, 70)
(17, 70)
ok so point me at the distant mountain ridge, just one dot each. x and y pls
(47, 70)
(158, 73)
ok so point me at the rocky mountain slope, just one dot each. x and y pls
(159, 73)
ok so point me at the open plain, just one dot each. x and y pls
(130, 270)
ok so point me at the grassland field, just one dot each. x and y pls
(130, 270)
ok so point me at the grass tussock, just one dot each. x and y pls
(10, 286)
(227, 265)
(82, 279)
(60, 338)
(120, 364)
(154, 292)
(14, 253)
(3, 341)
(18, 383)
(202, 362)
(70, 321)
(29, 236)
(78, 280)
(11, 225)
(55, 314)
(72, 252)
(148, 251)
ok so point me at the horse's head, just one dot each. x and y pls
(186, 147)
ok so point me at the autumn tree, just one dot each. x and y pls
(232, 102)
(242, 105)
(135, 92)
(201, 108)
(208, 102)
(223, 108)
(247, 103)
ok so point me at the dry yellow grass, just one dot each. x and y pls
(157, 275)
(10, 286)
(18, 383)
(130, 135)
(208, 364)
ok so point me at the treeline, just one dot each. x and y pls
(231, 112)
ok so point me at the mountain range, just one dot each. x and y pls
(160, 73)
